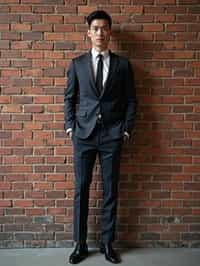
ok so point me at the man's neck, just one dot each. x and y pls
(99, 50)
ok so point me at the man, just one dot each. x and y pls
(100, 108)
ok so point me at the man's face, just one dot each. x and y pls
(99, 34)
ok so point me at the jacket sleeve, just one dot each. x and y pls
(131, 101)
(70, 95)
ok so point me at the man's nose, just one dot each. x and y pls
(100, 31)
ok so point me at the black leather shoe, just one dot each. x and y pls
(80, 253)
(109, 253)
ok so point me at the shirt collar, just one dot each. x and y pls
(95, 53)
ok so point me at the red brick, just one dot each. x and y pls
(22, 99)
(54, 36)
(68, 9)
(4, 27)
(22, 186)
(43, 9)
(64, 27)
(21, 63)
(54, 55)
(4, 9)
(165, 18)
(10, 36)
(153, 27)
(22, 45)
(32, 72)
(86, 9)
(4, 44)
(9, 18)
(43, 99)
(42, 27)
(33, 126)
(54, 72)
(32, 54)
(4, 63)
(176, 9)
(32, 18)
(143, 18)
(13, 160)
(20, 27)
(42, 63)
(44, 82)
(55, 19)
(35, 211)
(191, 169)
(33, 108)
(43, 46)
(186, 36)
(186, 18)
(177, 27)
(23, 203)
(44, 169)
(32, 36)
(74, 19)
(132, 9)
(5, 203)
(173, 100)
(20, 9)
(5, 100)
(44, 203)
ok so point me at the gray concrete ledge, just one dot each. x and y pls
(130, 257)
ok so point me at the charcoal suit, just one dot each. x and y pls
(98, 121)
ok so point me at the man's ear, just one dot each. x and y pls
(88, 33)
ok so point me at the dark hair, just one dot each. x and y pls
(99, 14)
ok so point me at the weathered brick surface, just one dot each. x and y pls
(159, 189)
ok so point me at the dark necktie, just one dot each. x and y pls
(99, 77)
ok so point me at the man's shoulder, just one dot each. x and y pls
(80, 57)
(121, 58)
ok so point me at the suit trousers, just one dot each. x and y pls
(85, 152)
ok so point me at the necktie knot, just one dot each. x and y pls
(100, 56)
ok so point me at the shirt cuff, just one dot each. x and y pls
(68, 130)
(126, 134)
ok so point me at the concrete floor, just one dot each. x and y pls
(134, 257)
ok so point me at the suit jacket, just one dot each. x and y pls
(116, 103)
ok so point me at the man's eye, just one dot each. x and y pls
(95, 29)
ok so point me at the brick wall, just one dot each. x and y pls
(160, 174)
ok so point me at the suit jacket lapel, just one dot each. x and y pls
(90, 71)
(111, 72)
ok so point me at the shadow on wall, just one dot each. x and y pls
(147, 165)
